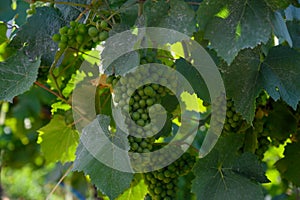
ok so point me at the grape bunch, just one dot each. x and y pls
(140, 103)
(149, 57)
(233, 119)
(140, 100)
(81, 36)
(260, 127)
(262, 146)
(162, 183)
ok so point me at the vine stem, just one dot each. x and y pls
(57, 57)
(60, 97)
(48, 90)
(60, 180)
(141, 5)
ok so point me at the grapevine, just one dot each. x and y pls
(247, 134)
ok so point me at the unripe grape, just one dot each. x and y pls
(93, 31)
(56, 37)
(63, 30)
(103, 35)
(103, 24)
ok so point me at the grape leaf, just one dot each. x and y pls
(110, 181)
(292, 13)
(175, 14)
(234, 25)
(137, 191)
(218, 175)
(70, 12)
(40, 43)
(154, 11)
(289, 165)
(248, 165)
(17, 74)
(280, 28)
(278, 74)
(281, 72)
(129, 12)
(294, 30)
(181, 18)
(58, 141)
(242, 82)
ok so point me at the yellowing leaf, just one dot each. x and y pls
(58, 141)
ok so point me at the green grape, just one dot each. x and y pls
(56, 37)
(82, 29)
(149, 91)
(103, 24)
(263, 146)
(233, 120)
(62, 45)
(162, 183)
(71, 32)
(63, 30)
(73, 23)
(103, 35)
(79, 39)
(93, 31)
(64, 39)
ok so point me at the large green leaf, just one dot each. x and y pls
(70, 12)
(278, 74)
(294, 30)
(181, 17)
(218, 175)
(234, 25)
(154, 11)
(138, 190)
(281, 72)
(58, 141)
(280, 28)
(110, 181)
(292, 13)
(175, 14)
(36, 33)
(17, 74)
(289, 165)
(242, 81)
(129, 12)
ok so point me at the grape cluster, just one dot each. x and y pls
(149, 57)
(81, 36)
(233, 119)
(140, 100)
(260, 127)
(162, 183)
(262, 146)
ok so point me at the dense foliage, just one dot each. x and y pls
(43, 45)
